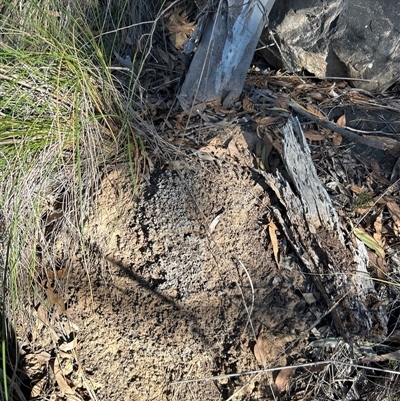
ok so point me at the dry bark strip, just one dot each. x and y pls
(227, 45)
(311, 224)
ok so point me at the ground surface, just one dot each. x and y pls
(168, 295)
(170, 298)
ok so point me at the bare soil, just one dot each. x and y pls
(181, 294)
(170, 300)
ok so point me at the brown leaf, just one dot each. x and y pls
(357, 190)
(280, 102)
(282, 380)
(316, 95)
(164, 56)
(247, 105)
(178, 39)
(55, 299)
(62, 383)
(38, 387)
(354, 94)
(259, 351)
(266, 120)
(378, 230)
(337, 139)
(394, 211)
(58, 274)
(392, 356)
(233, 150)
(178, 23)
(394, 337)
(42, 315)
(377, 172)
(316, 112)
(313, 135)
(341, 121)
(272, 229)
(379, 265)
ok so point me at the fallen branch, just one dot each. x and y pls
(312, 227)
(336, 128)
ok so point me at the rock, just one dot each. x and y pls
(341, 38)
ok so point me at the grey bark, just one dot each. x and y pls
(311, 224)
(226, 48)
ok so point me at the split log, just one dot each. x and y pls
(226, 48)
(310, 222)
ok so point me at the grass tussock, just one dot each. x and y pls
(63, 120)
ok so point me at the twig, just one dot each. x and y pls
(249, 312)
(304, 365)
(334, 127)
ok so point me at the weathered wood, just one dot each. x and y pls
(311, 224)
(226, 48)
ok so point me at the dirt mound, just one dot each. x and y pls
(171, 298)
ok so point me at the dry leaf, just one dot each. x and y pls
(354, 94)
(282, 380)
(68, 346)
(42, 314)
(62, 383)
(272, 229)
(394, 211)
(59, 273)
(38, 387)
(377, 173)
(309, 297)
(392, 356)
(177, 23)
(341, 121)
(43, 357)
(316, 112)
(358, 190)
(266, 120)
(164, 56)
(394, 337)
(215, 222)
(378, 230)
(259, 352)
(247, 105)
(337, 139)
(280, 102)
(382, 268)
(316, 95)
(55, 299)
(313, 135)
(233, 150)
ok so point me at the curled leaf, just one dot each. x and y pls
(272, 229)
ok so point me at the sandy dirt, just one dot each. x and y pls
(181, 284)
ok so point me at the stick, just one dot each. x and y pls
(334, 127)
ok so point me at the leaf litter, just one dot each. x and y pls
(147, 323)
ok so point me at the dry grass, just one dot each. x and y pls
(64, 121)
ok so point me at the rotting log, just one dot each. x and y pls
(310, 223)
(225, 50)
